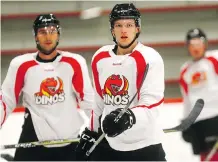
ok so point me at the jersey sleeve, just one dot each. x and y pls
(9, 92)
(186, 102)
(184, 91)
(212, 56)
(151, 94)
(98, 98)
(94, 122)
(83, 87)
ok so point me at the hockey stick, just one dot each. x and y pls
(121, 113)
(184, 125)
(199, 104)
(63, 141)
(53, 142)
(39, 143)
(212, 152)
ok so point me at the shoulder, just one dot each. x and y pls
(212, 53)
(102, 52)
(149, 54)
(184, 66)
(72, 57)
(25, 59)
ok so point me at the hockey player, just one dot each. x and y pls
(199, 79)
(118, 72)
(53, 84)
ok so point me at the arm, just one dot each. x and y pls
(151, 95)
(83, 87)
(91, 134)
(147, 110)
(184, 91)
(94, 123)
(186, 102)
(212, 56)
(10, 91)
(98, 99)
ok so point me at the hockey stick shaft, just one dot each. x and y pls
(121, 113)
(39, 143)
(199, 104)
(184, 125)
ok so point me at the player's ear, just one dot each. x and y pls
(112, 32)
(138, 29)
(36, 39)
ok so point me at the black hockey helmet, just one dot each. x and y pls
(45, 20)
(125, 11)
(196, 33)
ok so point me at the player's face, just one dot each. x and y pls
(47, 37)
(197, 48)
(125, 31)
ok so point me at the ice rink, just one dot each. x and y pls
(176, 149)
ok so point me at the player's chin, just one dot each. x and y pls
(197, 55)
(124, 43)
(47, 49)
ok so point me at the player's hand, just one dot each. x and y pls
(113, 129)
(87, 139)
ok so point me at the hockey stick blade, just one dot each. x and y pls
(199, 104)
(39, 143)
(121, 113)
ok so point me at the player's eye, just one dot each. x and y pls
(42, 32)
(129, 25)
(117, 25)
(54, 31)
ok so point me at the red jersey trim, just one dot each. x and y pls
(97, 58)
(214, 62)
(150, 106)
(4, 113)
(92, 121)
(182, 82)
(141, 65)
(21, 72)
(77, 79)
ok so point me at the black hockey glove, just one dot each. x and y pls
(113, 129)
(87, 139)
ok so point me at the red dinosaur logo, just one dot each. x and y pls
(51, 91)
(198, 77)
(115, 90)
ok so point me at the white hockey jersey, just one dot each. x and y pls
(116, 79)
(200, 80)
(51, 91)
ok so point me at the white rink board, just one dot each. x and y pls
(176, 149)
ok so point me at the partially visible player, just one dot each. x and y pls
(118, 72)
(53, 84)
(199, 79)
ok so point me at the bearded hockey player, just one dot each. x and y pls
(53, 84)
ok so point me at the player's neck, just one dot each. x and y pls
(48, 57)
(123, 51)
